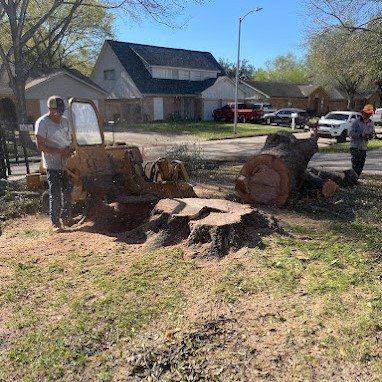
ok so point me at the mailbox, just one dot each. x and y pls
(294, 116)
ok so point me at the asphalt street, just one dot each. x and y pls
(238, 149)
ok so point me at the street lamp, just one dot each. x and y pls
(237, 69)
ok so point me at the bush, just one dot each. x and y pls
(14, 203)
(190, 154)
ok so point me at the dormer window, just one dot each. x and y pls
(109, 74)
(175, 74)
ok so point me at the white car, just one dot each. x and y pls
(336, 124)
(377, 117)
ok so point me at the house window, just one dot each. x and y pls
(184, 75)
(175, 74)
(109, 74)
(195, 76)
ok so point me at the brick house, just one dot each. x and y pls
(312, 98)
(315, 99)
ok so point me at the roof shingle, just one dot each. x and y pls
(277, 89)
(133, 56)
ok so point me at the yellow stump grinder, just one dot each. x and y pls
(110, 182)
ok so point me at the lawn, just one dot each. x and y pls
(205, 130)
(345, 147)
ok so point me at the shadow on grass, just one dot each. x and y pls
(354, 213)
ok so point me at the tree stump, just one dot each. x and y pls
(277, 172)
(211, 227)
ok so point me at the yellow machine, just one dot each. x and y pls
(115, 173)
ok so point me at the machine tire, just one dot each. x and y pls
(243, 119)
(268, 121)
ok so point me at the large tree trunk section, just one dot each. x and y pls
(314, 186)
(211, 227)
(346, 178)
(277, 172)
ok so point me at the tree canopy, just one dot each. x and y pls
(246, 70)
(345, 44)
(284, 68)
(333, 57)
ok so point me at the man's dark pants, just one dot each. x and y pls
(358, 158)
(59, 196)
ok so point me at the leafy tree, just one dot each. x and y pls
(79, 45)
(334, 57)
(246, 70)
(360, 22)
(285, 68)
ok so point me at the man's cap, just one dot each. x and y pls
(56, 102)
(368, 108)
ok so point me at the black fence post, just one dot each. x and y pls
(4, 159)
(25, 152)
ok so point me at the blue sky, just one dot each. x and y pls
(213, 27)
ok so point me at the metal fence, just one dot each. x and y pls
(17, 147)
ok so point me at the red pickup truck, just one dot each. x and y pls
(246, 112)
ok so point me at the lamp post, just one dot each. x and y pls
(237, 69)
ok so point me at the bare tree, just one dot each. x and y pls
(349, 14)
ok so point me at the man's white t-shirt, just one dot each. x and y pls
(58, 136)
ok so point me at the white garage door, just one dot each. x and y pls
(209, 106)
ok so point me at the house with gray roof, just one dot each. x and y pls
(312, 98)
(151, 83)
(317, 100)
(41, 85)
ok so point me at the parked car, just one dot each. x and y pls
(377, 117)
(246, 112)
(259, 109)
(336, 124)
(284, 117)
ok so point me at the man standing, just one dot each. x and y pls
(361, 131)
(54, 140)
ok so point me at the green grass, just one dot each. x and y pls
(113, 306)
(345, 147)
(205, 130)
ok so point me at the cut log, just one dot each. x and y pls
(315, 186)
(210, 227)
(277, 172)
(345, 178)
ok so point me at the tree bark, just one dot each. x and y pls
(210, 227)
(314, 186)
(277, 172)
